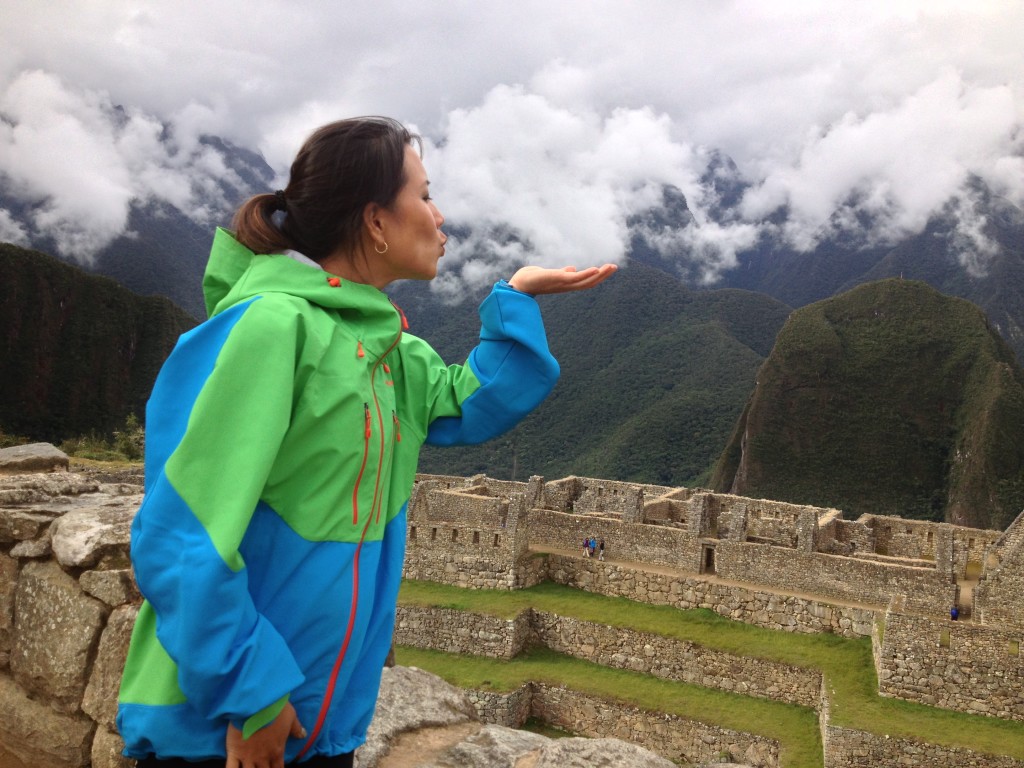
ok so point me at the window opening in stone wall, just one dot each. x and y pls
(1014, 648)
(970, 543)
(433, 534)
(495, 539)
(930, 537)
(455, 534)
(412, 532)
(944, 639)
(476, 537)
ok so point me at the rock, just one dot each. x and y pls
(114, 588)
(410, 699)
(422, 720)
(106, 751)
(56, 626)
(37, 735)
(8, 580)
(34, 457)
(85, 536)
(100, 701)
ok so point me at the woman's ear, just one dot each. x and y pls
(372, 222)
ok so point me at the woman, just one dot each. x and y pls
(282, 439)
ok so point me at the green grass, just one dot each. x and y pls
(846, 663)
(795, 728)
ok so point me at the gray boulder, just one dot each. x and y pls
(34, 457)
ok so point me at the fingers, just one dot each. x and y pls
(537, 280)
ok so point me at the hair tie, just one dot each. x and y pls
(281, 204)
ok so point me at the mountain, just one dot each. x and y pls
(654, 376)
(890, 398)
(163, 250)
(973, 249)
(78, 352)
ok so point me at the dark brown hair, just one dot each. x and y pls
(340, 169)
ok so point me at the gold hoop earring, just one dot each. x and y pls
(381, 253)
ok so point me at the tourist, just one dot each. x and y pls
(600, 547)
(586, 547)
(591, 546)
(282, 440)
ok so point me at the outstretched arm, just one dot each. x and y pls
(538, 280)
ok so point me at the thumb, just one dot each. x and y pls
(297, 731)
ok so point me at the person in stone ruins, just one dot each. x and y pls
(282, 441)
(600, 549)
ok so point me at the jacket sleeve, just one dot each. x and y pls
(506, 376)
(218, 413)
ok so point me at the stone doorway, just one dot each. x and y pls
(707, 561)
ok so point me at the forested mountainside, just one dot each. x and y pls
(78, 352)
(654, 375)
(890, 398)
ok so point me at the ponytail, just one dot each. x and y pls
(254, 224)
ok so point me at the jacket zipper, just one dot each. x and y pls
(325, 704)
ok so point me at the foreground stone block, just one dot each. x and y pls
(106, 751)
(56, 628)
(87, 536)
(34, 457)
(37, 735)
(8, 581)
(100, 701)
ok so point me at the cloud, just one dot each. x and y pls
(528, 180)
(81, 163)
(550, 124)
(897, 166)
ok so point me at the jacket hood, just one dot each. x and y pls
(234, 274)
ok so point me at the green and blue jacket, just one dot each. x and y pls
(282, 437)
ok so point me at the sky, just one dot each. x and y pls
(550, 122)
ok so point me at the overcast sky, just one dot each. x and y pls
(555, 121)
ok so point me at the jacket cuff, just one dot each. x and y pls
(265, 716)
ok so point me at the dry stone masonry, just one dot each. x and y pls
(68, 603)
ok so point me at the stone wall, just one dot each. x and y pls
(67, 606)
(789, 613)
(848, 748)
(641, 543)
(999, 597)
(833, 576)
(899, 537)
(677, 738)
(672, 659)
(452, 631)
(956, 665)
(617, 647)
(466, 538)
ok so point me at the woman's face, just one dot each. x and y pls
(411, 227)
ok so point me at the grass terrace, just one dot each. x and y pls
(846, 664)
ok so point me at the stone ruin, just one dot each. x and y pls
(67, 603)
(783, 566)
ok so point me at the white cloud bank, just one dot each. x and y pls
(549, 126)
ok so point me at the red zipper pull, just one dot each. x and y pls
(386, 369)
(366, 408)
(401, 314)
(359, 349)
(398, 429)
